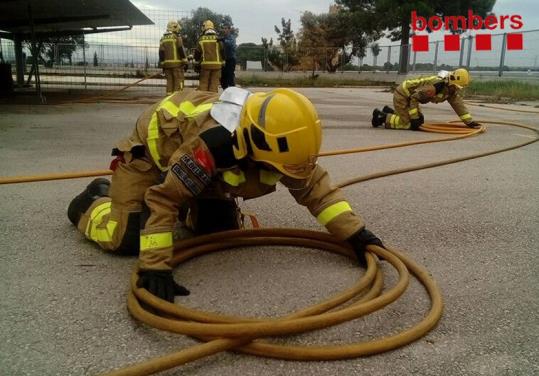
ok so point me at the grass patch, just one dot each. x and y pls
(259, 81)
(503, 91)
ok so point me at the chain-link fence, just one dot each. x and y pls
(109, 60)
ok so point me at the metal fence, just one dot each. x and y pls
(118, 59)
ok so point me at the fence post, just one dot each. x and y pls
(502, 55)
(461, 58)
(84, 59)
(469, 57)
(435, 63)
(388, 58)
(407, 47)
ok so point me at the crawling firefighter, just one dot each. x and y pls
(190, 156)
(445, 86)
(172, 57)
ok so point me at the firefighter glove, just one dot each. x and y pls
(473, 124)
(359, 242)
(161, 284)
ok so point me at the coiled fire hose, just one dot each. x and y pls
(226, 332)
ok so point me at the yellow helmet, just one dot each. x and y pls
(459, 77)
(207, 25)
(173, 26)
(280, 128)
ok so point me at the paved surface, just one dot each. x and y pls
(473, 225)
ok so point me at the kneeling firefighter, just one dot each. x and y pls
(200, 150)
(445, 86)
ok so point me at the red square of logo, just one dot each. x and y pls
(420, 43)
(515, 42)
(451, 42)
(483, 42)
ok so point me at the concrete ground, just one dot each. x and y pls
(474, 225)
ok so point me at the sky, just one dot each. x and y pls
(256, 19)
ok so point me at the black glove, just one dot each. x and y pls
(161, 284)
(359, 242)
(416, 123)
(473, 124)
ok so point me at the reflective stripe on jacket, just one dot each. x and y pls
(209, 51)
(172, 51)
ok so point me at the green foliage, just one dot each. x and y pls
(331, 39)
(504, 90)
(192, 26)
(251, 52)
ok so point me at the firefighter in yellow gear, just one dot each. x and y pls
(445, 86)
(209, 54)
(195, 152)
(172, 57)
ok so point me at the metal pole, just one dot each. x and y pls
(461, 58)
(388, 58)
(19, 61)
(435, 64)
(35, 55)
(84, 60)
(406, 47)
(469, 57)
(502, 55)
(413, 64)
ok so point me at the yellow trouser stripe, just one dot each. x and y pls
(188, 108)
(96, 217)
(413, 111)
(465, 117)
(269, 177)
(332, 211)
(158, 240)
(233, 179)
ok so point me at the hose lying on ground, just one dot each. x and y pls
(468, 132)
(224, 332)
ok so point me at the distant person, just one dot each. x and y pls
(227, 72)
(209, 55)
(445, 86)
(172, 57)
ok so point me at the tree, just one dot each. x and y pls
(95, 60)
(192, 26)
(251, 52)
(337, 36)
(395, 16)
(287, 41)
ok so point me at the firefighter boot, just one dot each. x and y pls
(96, 189)
(388, 110)
(378, 118)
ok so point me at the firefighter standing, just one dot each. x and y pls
(410, 93)
(201, 151)
(172, 57)
(209, 54)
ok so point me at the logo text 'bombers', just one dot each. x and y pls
(483, 42)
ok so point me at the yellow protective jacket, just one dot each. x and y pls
(171, 51)
(433, 89)
(209, 51)
(195, 153)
